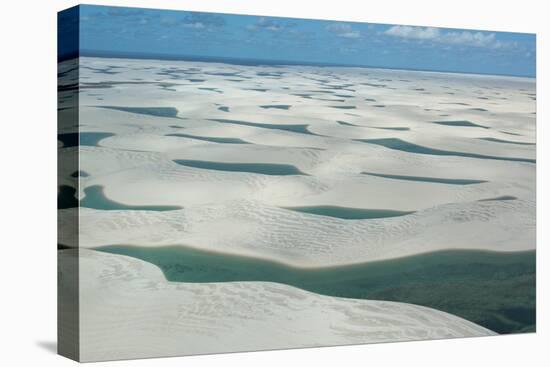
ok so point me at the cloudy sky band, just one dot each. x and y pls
(272, 38)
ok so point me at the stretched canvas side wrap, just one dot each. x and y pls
(238, 183)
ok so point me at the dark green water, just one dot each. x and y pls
(499, 198)
(459, 123)
(262, 168)
(90, 139)
(495, 290)
(95, 198)
(398, 144)
(80, 174)
(277, 106)
(348, 213)
(448, 181)
(391, 128)
(68, 139)
(151, 111)
(66, 197)
(300, 129)
(211, 139)
(509, 133)
(344, 107)
(346, 123)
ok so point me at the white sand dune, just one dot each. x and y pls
(334, 178)
(299, 123)
(128, 310)
(333, 137)
(299, 239)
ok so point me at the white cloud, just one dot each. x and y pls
(343, 30)
(462, 38)
(267, 24)
(477, 39)
(405, 31)
(197, 21)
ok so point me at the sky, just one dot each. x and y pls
(193, 34)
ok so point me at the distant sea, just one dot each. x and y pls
(252, 62)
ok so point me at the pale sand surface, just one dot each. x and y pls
(244, 213)
(299, 239)
(129, 310)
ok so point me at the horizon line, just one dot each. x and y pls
(257, 62)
